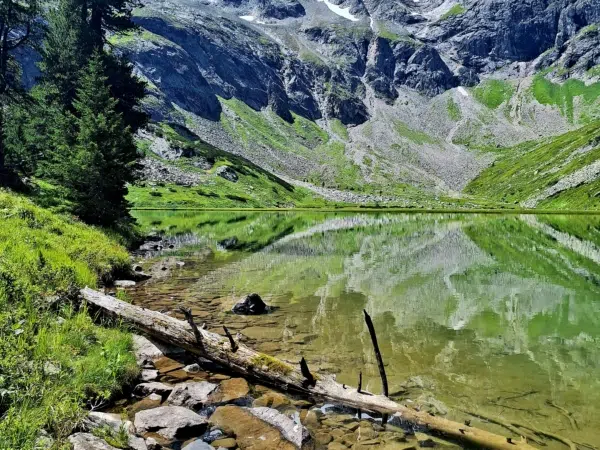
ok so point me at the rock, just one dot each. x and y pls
(51, 369)
(171, 422)
(323, 438)
(87, 441)
(228, 244)
(227, 173)
(124, 283)
(137, 443)
(154, 387)
(96, 419)
(149, 375)
(192, 368)
(192, 394)
(147, 350)
(225, 443)
(44, 441)
(151, 444)
(250, 431)
(271, 399)
(251, 305)
(234, 390)
(292, 430)
(137, 268)
(166, 364)
(152, 401)
(198, 445)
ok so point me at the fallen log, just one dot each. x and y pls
(281, 375)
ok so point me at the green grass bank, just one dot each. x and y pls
(54, 361)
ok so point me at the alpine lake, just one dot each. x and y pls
(476, 314)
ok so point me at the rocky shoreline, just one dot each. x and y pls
(187, 403)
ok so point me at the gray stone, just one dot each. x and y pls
(292, 430)
(153, 387)
(124, 283)
(147, 350)
(149, 375)
(191, 394)
(198, 445)
(87, 441)
(96, 419)
(227, 173)
(171, 422)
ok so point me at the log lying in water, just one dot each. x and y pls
(284, 376)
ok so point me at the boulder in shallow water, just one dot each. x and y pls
(171, 422)
(191, 395)
(251, 305)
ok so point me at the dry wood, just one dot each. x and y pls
(380, 365)
(281, 375)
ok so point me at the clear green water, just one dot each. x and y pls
(494, 314)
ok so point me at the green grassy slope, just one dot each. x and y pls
(255, 188)
(526, 171)
(49, 368)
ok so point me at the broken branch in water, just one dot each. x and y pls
(234, 346)
(503, 423)
(565, 412)
(557, 437)
(187, 312)
(280, 375)
(382, 374)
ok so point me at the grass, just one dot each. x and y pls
(339, 129)
(563, 96)
(454, 111)
(416, 136)
(493, 93)
(255, 188)
(456, 10)
(50, 368)
(525, 171)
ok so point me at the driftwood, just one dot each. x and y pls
(281, 375)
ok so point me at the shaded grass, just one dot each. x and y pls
(50, 368)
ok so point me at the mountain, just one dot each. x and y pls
(380, 100)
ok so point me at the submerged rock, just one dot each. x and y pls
(251, 305)
(234, 390)
(171, 422)
(292, 430)
(249, 429)
(153, 387)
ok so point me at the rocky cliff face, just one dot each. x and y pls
(405, 63)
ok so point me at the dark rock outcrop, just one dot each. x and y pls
(251, 305)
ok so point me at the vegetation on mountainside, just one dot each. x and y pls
(454, 111)
(255, 187)
(456, 10)
(52, 365)
(527, 170)
(492, 93)
(565, 96)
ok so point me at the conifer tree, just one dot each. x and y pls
(19, 23)
(104, 158)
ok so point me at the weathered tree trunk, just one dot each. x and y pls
(284, 376)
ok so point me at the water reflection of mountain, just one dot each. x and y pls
(483, 305)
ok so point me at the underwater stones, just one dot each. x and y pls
(250, 431)
(170, 422)
(253, 304)
(260, 333)
(233, 390)
(292, 430)
(271, 399)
